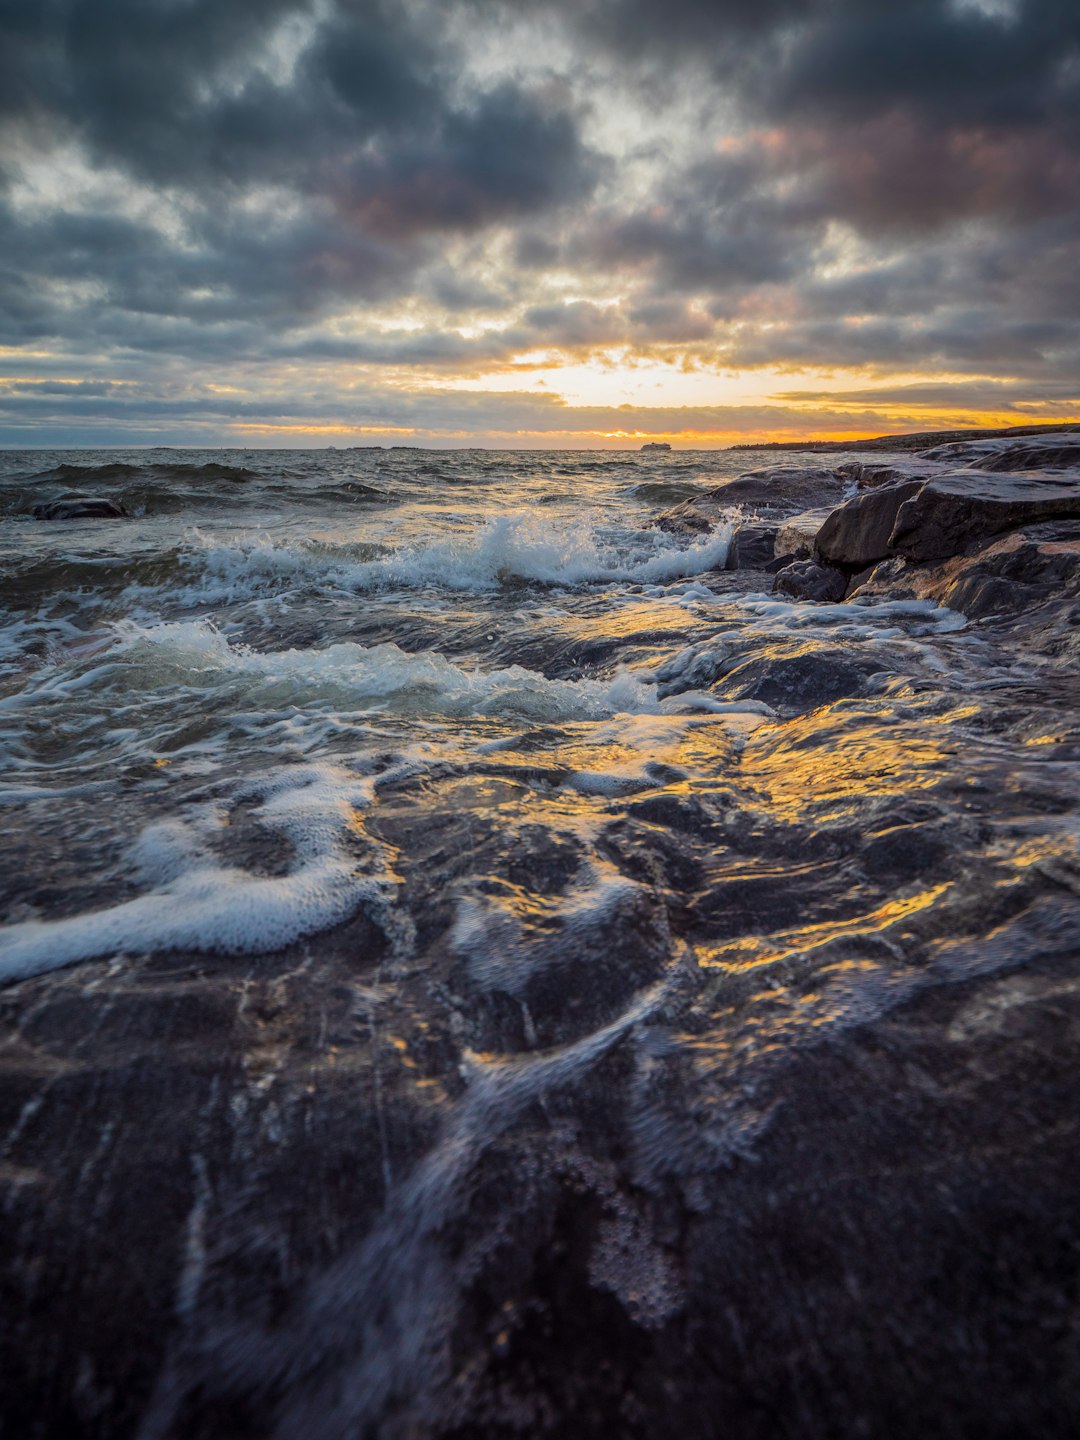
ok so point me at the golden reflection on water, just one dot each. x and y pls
(750, 952)
(828, 759)
(625, 620)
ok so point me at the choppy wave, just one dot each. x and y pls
(196, 653)
(508, 550)
(122, 472)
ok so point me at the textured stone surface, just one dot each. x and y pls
(752, 547)
(795, 537)
(770, 494)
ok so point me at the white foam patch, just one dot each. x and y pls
(194, 902)
(861, 618)
(379, 677)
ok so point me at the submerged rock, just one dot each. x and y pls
(81, 507)
(807, 580)
(800, 677)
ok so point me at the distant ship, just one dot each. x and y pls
(655, 445)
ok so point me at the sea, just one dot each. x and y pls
(368, 814)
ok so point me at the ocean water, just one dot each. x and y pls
(491, 793)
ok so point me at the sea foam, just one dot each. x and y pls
(194, 902)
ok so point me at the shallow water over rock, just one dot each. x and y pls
(477, 966)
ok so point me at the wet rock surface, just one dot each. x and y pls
(954, 510)
(698, 1059)
(772, 494)
(753, 547)
(859, 533)
(796, 537)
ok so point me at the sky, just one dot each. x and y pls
(556, 223)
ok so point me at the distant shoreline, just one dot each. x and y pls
(917, 440)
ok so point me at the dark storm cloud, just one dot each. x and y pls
(370, 132)
(172, 92)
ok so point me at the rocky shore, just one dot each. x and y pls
(989, 527)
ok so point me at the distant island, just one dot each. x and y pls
(922, 440)
(655, 445)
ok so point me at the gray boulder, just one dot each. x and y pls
(1053, 449)
(1064, 455)
(869, 474)
(752, 548)
(771, 494)
(783, 489)
(796, 536)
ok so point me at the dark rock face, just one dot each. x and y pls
(807, 580)
(80, 508)
(857, 533)
(868, 475)
(1033, 456)
(952, 511)
(1019, 572)
(893, 578)
(782, 491)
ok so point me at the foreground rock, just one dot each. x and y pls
(859, 532)
(1028, 582)
(796, 537)
(753, 547)
(716, 1176)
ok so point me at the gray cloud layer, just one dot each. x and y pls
(748, 182)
